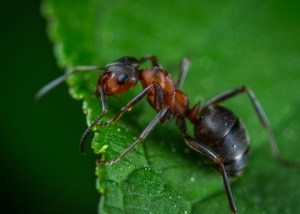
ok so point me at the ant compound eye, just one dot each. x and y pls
(123, 78)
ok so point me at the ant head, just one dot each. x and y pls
(118, 77)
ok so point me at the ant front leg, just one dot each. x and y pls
(163, 111)
(262, 117)
(135, 100)
(209, 153)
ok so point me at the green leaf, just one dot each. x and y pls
(230, 44)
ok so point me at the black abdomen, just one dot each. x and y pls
(218, 128)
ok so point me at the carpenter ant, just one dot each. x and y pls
(219, 134)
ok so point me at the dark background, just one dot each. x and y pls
(39, 140)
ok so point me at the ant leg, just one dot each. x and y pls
(141, 138)
(261, 115)
(127, 107)
(135, 100)
(92, 125)
(44, 90)
(203, 149)
(152, 58)
(183, 71)
(89, 129)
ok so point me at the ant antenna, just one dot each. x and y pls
(44, 90)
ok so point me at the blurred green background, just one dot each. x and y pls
(42, 168)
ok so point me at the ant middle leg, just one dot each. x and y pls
(261, 115)
(161, 114)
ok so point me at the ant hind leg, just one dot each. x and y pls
(262, 117)
(209, 153)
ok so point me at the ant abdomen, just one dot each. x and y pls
(219, 129)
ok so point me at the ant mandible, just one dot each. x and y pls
(219, 134)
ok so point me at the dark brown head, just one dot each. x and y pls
(118, 77)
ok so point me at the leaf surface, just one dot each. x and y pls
(230, 44)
